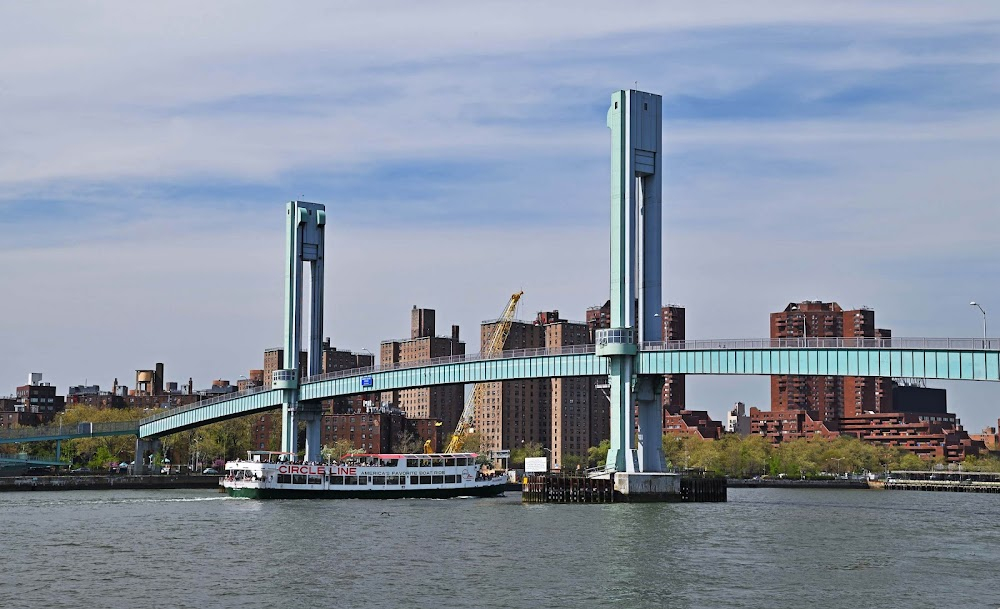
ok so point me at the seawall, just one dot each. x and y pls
(81, 483)
(786, 483)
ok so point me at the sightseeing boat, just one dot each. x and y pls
(271, 475)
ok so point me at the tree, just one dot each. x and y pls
(570, 463)
(337, 450)
(518, 455)
(597, 456)
(408, 443)
(473, 443)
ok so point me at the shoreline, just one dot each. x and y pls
(785, 483)
(96, 483)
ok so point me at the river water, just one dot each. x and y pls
(764, 548)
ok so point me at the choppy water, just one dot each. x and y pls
(764, 548)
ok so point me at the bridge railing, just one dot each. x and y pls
(83, 429)
(225, 397)
(966, 344)
(452, 359)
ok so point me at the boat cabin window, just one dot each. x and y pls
(336, 479)
(315, 480)
(298, 479)
(414, 479)
(437, 480)
(425, 479)
(449, 461)
(378, 479)
(284, 478)
(351, 480)
(390, 462)
(437, 462)
(362, 479)
(395, 479)
(412, 462)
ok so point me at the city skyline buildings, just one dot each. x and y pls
(772, 164)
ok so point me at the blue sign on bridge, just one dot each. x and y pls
(366, 381)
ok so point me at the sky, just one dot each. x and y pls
(826, 151)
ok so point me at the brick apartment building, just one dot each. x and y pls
(787, 425)
(510, 413)
(990, 437)
(919, 423)
(569, 397)
(443, 402)
(565, 415)
(13, 415)
(692, 422)
(380, 430)
(826, 398)
(38, 399)
(600, 406)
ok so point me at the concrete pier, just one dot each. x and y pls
(629, 488)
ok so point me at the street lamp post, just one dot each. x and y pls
(550, 455)
(370, 354)
(983, 311)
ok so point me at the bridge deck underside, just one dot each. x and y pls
(585, 364)
(192, 416)
(970, 365)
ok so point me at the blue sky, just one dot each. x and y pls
(814, 151)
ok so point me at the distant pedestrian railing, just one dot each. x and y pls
(453, 359)
(225, 397)
(81, 430)
(965, 344)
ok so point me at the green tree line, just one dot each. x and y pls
(733, 456)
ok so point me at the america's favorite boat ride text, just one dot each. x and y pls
(270, 475)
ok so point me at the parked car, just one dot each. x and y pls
(210, 471)
(81, 470)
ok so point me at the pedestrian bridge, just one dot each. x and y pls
(930, 358)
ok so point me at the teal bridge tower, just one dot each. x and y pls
(635, 120)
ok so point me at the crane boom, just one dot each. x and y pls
(491, 348)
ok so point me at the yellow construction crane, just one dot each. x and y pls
(491, 348)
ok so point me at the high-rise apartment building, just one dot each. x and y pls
(443, 402)
(569, 397)
(600, 404)
(558, 413)
(827, 398)
(672, 317)
(509, 413)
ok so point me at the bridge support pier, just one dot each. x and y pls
(649, 436)
(313, 419)
(145, 447)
